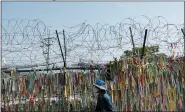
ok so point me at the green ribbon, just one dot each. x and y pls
(134, 108)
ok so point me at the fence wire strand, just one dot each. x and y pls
(25, 42)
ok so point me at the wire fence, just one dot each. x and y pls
(32, 43)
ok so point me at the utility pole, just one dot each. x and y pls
(143, 50)
(65, 49)
(46, 46)
(60, 48)
(48, 54)
(132, 38)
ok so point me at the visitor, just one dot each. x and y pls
(104, 103)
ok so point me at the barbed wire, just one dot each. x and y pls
(24, 42)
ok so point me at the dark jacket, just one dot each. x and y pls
(104, 103)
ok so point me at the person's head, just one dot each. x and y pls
(100, 86)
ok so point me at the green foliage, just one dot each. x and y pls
(138, 50)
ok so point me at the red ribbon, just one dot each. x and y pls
(31, 99)
(134, 60)
(45, 80)
(129, 107)
(170, 67)
(141, 79)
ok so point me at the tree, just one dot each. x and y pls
(137, 51)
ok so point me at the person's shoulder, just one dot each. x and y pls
(106, 96)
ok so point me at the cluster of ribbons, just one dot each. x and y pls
(155, 83)
(30, 87)
(73, 86)
(79, 87)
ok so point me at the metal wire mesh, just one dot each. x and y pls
(25, 42)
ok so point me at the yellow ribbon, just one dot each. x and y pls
(172, 105)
